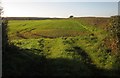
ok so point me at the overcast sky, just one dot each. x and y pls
(59, 8)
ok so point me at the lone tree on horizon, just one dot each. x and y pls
(71, 16)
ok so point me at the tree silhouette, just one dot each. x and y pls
(71, 16)
(1, 10)
(0, 40)
(3, 25)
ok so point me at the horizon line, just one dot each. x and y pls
(59, 17)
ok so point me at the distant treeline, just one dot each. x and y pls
(44, 18)
(93, 17)
(28, 18)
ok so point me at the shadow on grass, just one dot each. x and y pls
(66, 67)
(19, 62)
(23, 62)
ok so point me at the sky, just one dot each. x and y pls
(59, 8)
(119, 8)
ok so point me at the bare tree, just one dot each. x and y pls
(1, 10)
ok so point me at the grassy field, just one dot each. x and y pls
(61, 47)
(49, 28)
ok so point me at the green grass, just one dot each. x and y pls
(65, 48)
(45, 28)
(70, 47)
(18, 29)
